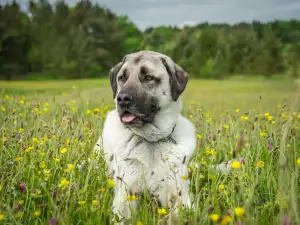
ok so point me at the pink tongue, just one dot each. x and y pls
(127, 118)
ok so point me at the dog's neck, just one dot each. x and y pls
(163, 124)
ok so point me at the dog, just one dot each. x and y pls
(146, 141)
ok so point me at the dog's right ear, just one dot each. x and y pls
(113, 76)
(178, 77)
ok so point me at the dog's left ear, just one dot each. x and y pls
(113, 76)
(178, 78)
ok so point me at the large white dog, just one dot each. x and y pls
(146, 141)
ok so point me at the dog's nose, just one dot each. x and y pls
(124, 99)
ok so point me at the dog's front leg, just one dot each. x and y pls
(172, 194)
(121, 206)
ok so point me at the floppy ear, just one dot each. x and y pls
(178, 78)
(113, 76)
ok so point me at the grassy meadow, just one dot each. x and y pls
(48, 129)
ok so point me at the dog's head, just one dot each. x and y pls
(144, 83)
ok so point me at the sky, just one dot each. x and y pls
(145, 13)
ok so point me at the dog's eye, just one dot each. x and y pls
(122, 77)
(149, 78)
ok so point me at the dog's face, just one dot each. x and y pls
(144, 83)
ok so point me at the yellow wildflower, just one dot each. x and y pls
(21, 202)
(226, 220)
(162, 211)
(21, 130)
(96, 110)
(1, 217)
(237, 110)
(95, 202)
(209, 120)
(63, 151)
(239, 212)
(69, 167)
(42, 164)
(88, 112)
(211, 152)
(105, 108)
(3, 109)
(288, 145)
(214, 217)
(110, 183)
(225, 126)
(284, 116)
(131, 198)
(260, 164)
(267, 114)
(19, 158)
(64, 182)
(199, 136)
(28, 149)
(22, 101)
(139, 223)
(221, 187)
(298, 161)
(263, 134)
(244, 118)
(270, 118)
(37, 213)
(46, 109)
(35, 140)
(235, 165)
(81, 202)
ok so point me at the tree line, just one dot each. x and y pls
(56, 41)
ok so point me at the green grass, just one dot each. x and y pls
(39, 119)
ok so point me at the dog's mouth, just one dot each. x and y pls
(132, 118)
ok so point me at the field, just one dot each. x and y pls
(48, 129)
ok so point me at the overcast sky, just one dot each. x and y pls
(179, 12)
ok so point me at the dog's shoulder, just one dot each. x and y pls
(184, 133)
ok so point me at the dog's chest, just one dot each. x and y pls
(136, 155)
(148, 152)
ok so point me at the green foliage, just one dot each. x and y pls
(87, 40)
(48, 131)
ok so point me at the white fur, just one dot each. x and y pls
(142, 158)
(153, 156)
